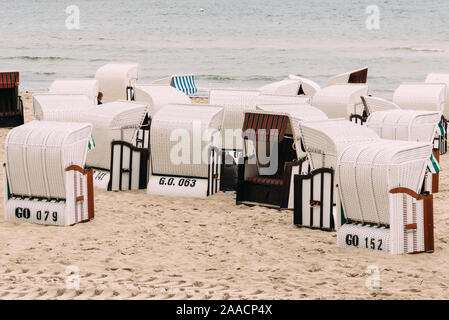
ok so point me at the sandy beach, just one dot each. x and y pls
(147, 247)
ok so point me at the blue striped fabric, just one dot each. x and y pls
(185, 84)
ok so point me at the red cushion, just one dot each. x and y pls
(266, 181)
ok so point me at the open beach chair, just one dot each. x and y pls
(60, 107)
(355, 76)
(118, 163)
(185, 161)
(382, 204)
(275, 156)
(425, 96)
(11, 105)
(316, 195)
(341, 100)
(117, 81)
(88, 87)
(45, 180)
(182, 82)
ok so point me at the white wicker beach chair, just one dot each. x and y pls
(88, 87)
(60, 107)
(421, 96)
(379, 188)
(275, 99)
(117, 81)
(373, 104)
(341, 100)
(45, 179)
(308, 87)
(286, 87)
(441, 78)
(182, 82)
(184, 157)
(355, 76)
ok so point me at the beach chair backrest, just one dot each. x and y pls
(158, 96)
(184, 83)
(355, 76)
(373, 104)
(118, 120)
(308, 87)
(88, 87)
(180, 138)
(286, 87)
(421, 96)
(60, 107)
(115, 80)
(37, 154)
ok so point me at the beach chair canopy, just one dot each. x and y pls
(37, 154)
(308, 87)
(118, 120)
(421, 96)
(158, 96)
(9, 80)
(406, 125)
(286, 87)
(324, 140)
(355, 76)
(340, 100)
(176, 132)
(88, 87)
(182, 82)
(367, 173)
(60, 107)
(115, 79)
(373, 104)
(444, 79)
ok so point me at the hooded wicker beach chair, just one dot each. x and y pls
(88, 87)
(341, 100)
(117, 81)
(316, 196)
(286, 87)
(425, 96)
(44, 174)
(276, 154)
(11, 105)
(184, 157)
(60, 107)
(355, 76)
(382, 206)
(308, 87)
(119, 164)
(182, 82)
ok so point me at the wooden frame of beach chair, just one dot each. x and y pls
(425, 96)
(183, 82)
(88, 87)
(355, 76)
(316, 195)
(117, 81)
(275, 189)
(382, 207)
(114, 129)
(341, 100)
(49, 185)
(11, 105)
(60, 107)
(189, 167)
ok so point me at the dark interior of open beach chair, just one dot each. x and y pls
(11, 106)
(359, 76)
(270, 190)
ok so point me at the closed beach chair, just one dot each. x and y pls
(275, 156)
(276, 99)
(182, 82)
(441, 78)
(286, 87)
(11, 105)
(45, 178)
(60, 107)
(355, 76)
(341, 100)
(118, 163)
(316, 196)
(382, 207)
(117, 81)
(184, 157)
(308, 87)
(88, 87)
